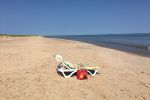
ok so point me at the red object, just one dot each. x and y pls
(81, 74)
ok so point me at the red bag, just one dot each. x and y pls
(81, 73)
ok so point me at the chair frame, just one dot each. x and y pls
(60, 68)
(63, 71)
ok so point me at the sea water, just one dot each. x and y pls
(133, 43)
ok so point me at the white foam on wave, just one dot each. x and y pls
(148, 48)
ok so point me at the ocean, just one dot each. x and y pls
(132, 43)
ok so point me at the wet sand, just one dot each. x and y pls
(27, 71)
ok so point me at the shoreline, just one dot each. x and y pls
(140, 50)
(138, 43)
(132, 49)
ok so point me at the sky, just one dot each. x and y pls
(74, 17)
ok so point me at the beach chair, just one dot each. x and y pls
(65, 66)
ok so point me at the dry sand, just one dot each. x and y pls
(27, 71)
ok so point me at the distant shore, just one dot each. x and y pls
(14, 35)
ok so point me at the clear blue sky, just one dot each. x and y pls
(49, 17)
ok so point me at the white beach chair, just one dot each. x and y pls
(65, 66)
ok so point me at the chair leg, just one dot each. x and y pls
(67, 76)
(64, 75)
(93, 74)
(71, 74)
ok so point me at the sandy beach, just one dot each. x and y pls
(27, 71)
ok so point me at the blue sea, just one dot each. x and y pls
(132, 43)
